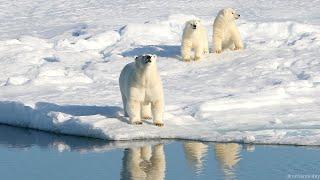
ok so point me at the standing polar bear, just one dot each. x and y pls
(141, 90)
(225, 32)
(194, 37)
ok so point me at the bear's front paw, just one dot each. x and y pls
(137, 123)
(237, 48)
(218, 51)
(159, 124)
(186, 59)
(197, 58)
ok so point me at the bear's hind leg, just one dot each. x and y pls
(157, 112)
(146, 111)
(125, 105)
(206, 49)
(217, 44)
(205, 44)
(134, 108)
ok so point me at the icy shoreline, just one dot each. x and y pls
(266, 94)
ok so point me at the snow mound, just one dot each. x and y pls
(151, 33)
(17, 80)
(267, 93)
(280, 34)
(87, 43)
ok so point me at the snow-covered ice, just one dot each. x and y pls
(60, 72)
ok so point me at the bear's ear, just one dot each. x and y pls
(224, 11)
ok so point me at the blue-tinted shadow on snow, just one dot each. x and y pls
(83, 110)
(80, 110)
(159, 50)
(16, 137)
(40, 117)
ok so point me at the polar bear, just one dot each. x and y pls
(141, 90)
(194, 37)
(225, 32)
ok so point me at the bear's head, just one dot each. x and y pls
(193, 24)
(229, 14)
(145, 61)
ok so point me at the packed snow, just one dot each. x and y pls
(62, 76)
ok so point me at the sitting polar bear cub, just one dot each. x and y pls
(194, 37)
(141, 90)
(225, 32)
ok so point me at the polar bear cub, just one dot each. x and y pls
(225, 32)
(141, 90)
(194, 37)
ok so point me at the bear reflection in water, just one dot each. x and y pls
(144, 163)
(148, 162)
(141, 159)
(228, 157)
(195, 153)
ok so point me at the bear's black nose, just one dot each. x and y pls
(194, 26)
(148, 57)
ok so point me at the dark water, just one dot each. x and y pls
(29, 154)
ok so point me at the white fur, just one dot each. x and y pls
(196, 39)
(141, 90)
(225, 32)
(144, 163)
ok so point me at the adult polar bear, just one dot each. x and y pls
(225, 32)
(141, 90)
(194, 37)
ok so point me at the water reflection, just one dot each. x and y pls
(195, 153)
(148, 162)
(140, 160)
(22, 138)
(144, 163)
(228, 156)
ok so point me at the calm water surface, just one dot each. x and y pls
(30, 154)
